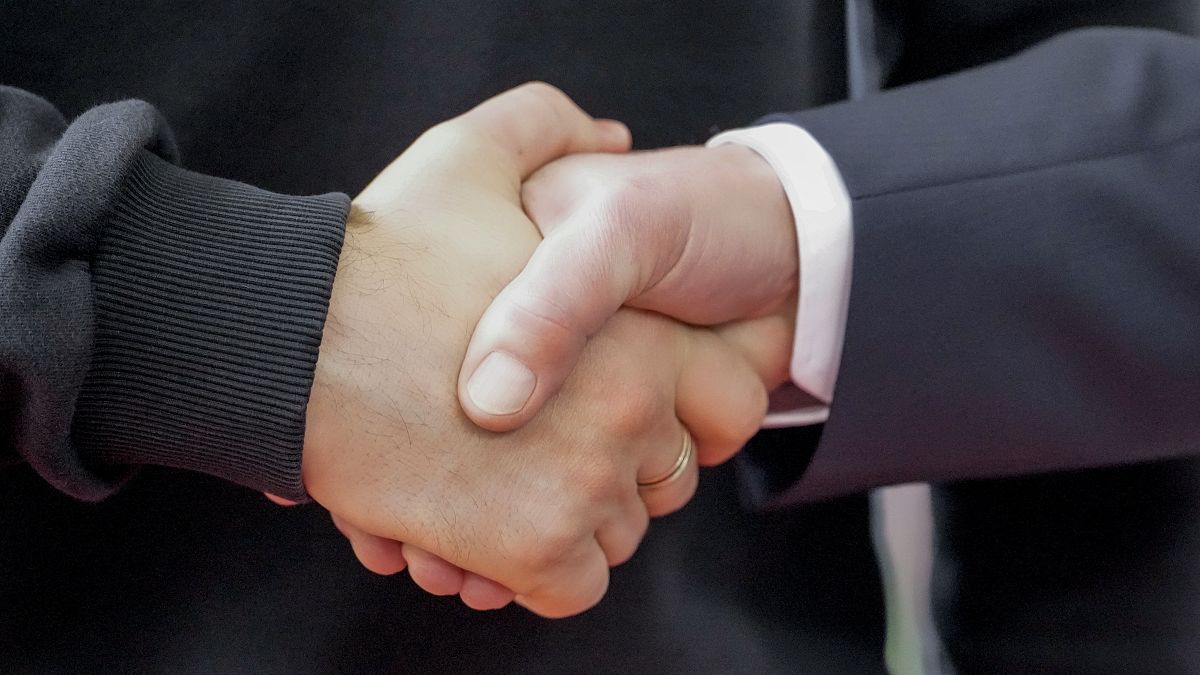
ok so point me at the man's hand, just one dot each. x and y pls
(704, 235)
(543, 511)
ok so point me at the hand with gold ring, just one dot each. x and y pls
(545, 510)
(668, 490)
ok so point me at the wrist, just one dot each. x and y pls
(754, 201)
(821, 210)
(334, 374)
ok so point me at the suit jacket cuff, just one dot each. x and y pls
(821, 210)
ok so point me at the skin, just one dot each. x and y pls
(703, 235)
(541, 513)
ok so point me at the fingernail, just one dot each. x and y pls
(501, 385)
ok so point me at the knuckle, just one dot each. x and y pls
(557, 600)
(563, 119)
(554, 100)
(545, 554)
(552, 542)
(599, 480)
(549, 101)
(453, 135)
(544, 90)
(584, 592)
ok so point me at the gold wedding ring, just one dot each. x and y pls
(680, 467)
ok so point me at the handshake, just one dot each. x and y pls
(534, 338)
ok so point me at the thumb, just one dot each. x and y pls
(528, 340)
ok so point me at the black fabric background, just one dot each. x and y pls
(1092, 572)
(183, 574)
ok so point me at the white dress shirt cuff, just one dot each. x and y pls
(821, 209)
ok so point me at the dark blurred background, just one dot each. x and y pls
(183, 574)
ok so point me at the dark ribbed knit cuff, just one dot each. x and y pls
(210, 299)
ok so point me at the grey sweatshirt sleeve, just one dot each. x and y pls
(150, 315)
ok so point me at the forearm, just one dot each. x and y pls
(152, 315)
(1024, 289)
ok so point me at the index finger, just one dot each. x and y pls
(499, 143)
(536, 123)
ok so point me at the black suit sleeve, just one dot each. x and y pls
(928, 38)
(1026, 282)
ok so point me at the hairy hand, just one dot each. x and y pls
(546, 510)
